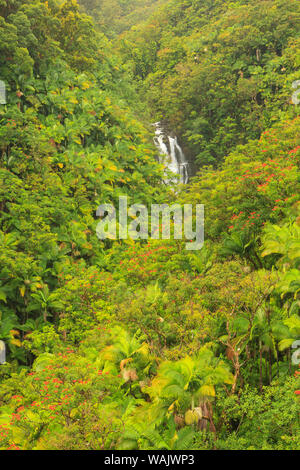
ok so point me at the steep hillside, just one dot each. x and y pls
(218, 72)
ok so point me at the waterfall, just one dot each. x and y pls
(2, 352)
(171, 154)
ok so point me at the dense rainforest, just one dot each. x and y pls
(142, 344)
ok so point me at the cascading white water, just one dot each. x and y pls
(171, 154)
(2, 352)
